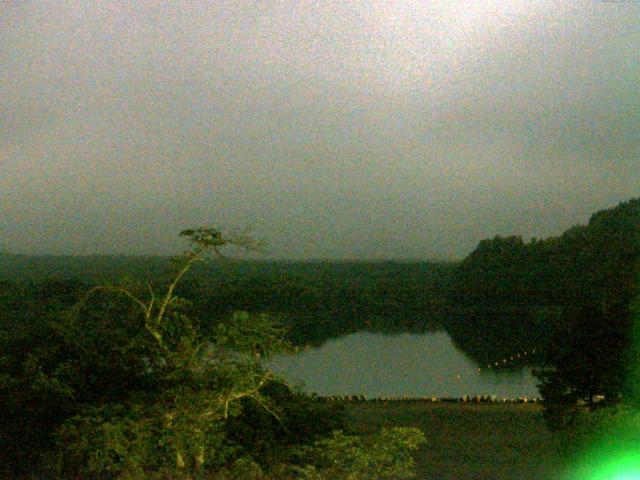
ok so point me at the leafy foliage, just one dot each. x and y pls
(123, 382)
(382, 456)
(386, 455)
(567, 296)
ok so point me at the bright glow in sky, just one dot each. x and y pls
(363, 129)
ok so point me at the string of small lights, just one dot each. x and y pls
(514, 358)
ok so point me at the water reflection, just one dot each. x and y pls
(414, 365)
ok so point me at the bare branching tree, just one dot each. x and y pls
(215, 370)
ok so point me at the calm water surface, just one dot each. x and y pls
(414, 365)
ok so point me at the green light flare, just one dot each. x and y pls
(628, 476)
(614, 450)
(605, 464)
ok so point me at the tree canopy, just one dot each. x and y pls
(122, 381)
(567, 296)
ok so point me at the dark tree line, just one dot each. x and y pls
(316, 300)
(569, 296)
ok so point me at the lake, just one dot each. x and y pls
(412, 365)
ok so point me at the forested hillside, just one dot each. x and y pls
(566, 296)
(316, 300)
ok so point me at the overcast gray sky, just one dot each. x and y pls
(333, 129)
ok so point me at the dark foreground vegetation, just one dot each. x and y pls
(124, 381)
(160, 375)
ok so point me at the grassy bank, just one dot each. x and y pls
(470, 442)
